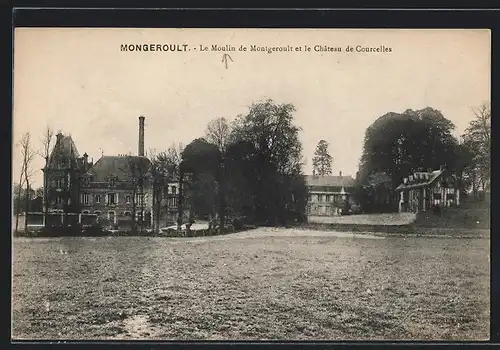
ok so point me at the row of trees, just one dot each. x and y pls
(23, 191)
(397, 144)
(251, 167)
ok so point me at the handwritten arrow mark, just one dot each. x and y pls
(225, 57)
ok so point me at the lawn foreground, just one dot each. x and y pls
(261, 284)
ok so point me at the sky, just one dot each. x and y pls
(79, 82)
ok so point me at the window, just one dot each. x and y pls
(98, 198)
(60, 200)
(172, 202)
(174, 190)
(111, 198)
(85, 212)
(97, 212)
(328, 198)
(127, 199)
(139, 199)
(320, 198)
(127, 213)
(84, 198)
(86, 181)
(59, 183)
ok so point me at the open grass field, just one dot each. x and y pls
(261, 284)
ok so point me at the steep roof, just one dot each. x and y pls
(430, 177)
(330, 180)
(64, 146)
(119, 166)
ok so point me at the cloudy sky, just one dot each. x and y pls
(78, 81)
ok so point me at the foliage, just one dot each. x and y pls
(27, 173)
(322, 160)
(477, 145)
(201, 160)
(137, 171)
(250, 168)
(20, 196)
(269, 142)
(218, 133)
(398, 144)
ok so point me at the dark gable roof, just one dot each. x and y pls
(432, 176)
(64, 146)
(329, 180)
(117, 165)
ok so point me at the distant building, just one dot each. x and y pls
(329, 195)
(114, 188)
(421, 191)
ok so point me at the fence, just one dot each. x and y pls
(37, 220)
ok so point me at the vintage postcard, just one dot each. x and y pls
(251, 184)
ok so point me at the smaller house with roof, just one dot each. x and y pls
(329, 195)
(423, 190)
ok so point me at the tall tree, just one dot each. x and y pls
(477, 139)
(159, 175)
(242, 171)
(18, 190)
(322, 160)
(399, 143)
(201, 159)
(219, 133)
(47, 137)
(269, 130)
(27, 155)
(137, 174)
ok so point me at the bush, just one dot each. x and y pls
(60, 231)
(29, 233)
(96, 230)
(436, 209)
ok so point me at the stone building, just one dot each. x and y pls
(61, 175)
(329, 195)
(115, 189)
(422, 190)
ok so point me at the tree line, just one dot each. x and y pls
(251, 168)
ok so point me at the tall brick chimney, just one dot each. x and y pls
(141, 136)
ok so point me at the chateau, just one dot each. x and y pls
(115, 189)
(329, 195)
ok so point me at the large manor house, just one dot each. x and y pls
(109, 189)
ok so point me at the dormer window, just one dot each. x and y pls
(111, 180)
(86, 181)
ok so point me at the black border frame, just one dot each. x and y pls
(25, 15)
